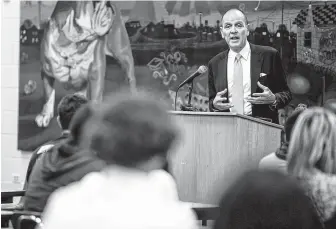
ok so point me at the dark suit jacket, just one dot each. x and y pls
(264, 59)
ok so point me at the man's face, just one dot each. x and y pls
(234, 30)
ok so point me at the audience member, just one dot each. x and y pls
(277, 160)
(61, 165)
(266, 200)
(133, 134)
(67, 107)
(312, 158)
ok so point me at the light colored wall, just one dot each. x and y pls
(13, 162)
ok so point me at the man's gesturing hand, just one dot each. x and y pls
(220, 101)
(266, 97)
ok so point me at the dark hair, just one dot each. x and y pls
(131, 129)
(290, 122)
(68, 106)
(245, 17)
(266, 200)
(71, 144)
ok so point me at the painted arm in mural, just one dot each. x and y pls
(91, 27)
(118, 46)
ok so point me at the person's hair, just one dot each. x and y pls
(68, 106)
(130, 129)
(245, 17)
(312, 143)
(290, 122)
(80, 118)
(264, 200)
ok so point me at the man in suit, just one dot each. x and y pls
(247, 79)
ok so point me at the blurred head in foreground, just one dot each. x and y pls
(266, 200)
(133, 131)
(312, 144)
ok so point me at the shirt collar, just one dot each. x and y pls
(244, 52)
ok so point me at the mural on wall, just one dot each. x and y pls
(141, 44)
(328, 47)
(317, 44)
(152, 44)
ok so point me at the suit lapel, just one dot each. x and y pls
(221, 79)
(256, 58)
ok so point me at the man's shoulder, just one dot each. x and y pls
(264, 49)
(218, 57)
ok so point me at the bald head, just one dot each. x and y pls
(234, 13)
(235, 29)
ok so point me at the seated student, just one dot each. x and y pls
(277, 160)
(66, 109)
(312, 158)
(61, 165)
(134, 135)
(266, 200)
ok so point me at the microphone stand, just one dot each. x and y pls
(323, 91)
(189, 107)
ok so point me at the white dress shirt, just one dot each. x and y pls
(119, 198)
(246, 63)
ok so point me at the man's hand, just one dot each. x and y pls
(266, 97)
(219, 101)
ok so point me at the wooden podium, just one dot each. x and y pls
(215, 148)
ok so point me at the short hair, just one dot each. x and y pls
(290, 122)
(72, 144)
(312, 143)
(245, 17)
(68, 106)
(130, 129)
(266, 199)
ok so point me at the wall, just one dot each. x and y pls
(13, 162)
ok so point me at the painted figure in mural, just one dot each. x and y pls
(76, 41)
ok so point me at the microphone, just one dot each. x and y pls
(202, 69)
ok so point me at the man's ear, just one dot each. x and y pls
(248, 26)
(222, 34)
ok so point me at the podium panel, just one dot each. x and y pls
(215, 148)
